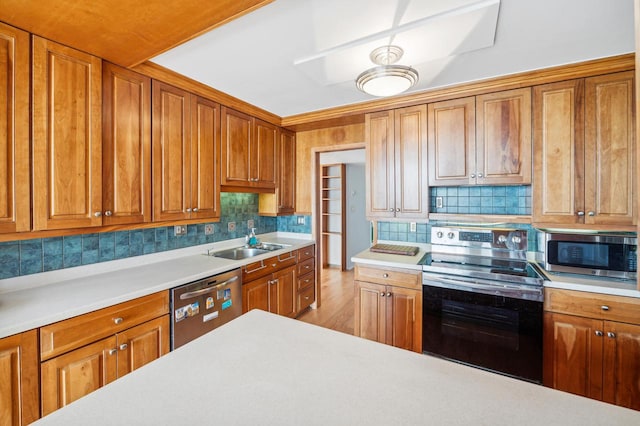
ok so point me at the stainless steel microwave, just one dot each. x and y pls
(597, 254)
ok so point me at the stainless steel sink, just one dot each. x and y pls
(239, 253)
(273, 246)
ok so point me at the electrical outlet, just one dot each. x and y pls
(208, 229)
(250, 224)
(439, 202)
(300, 220)
(180, 230)
(412, 226)
(231, 227)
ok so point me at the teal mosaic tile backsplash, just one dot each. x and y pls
(48, 254)
(509, 200)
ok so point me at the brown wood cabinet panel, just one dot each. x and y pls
(593, 305)
(15, 190)
(237, 135)
(411, 179)
(558, 122)
(452, 142)
(283, 292)
(72, 333)
(255, 294)
(389, 276)
(503, 138)
(306, 280)
(67, 149)
(404, 319)
(622, 364)
(19, 387)
(142, 344)
(610, 192)
(126, 146)
(573, 354)
(263, 156)
(71, 376)
(306, 266)
(370, 311)
(306, 252)
(171, 152)
(205, 159)
(305, 298)
(380, 165)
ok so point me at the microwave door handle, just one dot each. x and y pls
(192, 294)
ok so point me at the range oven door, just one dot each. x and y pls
(493, 332)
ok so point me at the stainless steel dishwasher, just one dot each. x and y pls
(201, 306)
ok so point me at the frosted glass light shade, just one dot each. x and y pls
(387, 80)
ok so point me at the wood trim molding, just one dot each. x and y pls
(479, 218)
(165, 75)
(612, 64)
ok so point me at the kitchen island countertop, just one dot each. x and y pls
(266, 369)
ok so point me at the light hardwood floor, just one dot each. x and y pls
(337, 310)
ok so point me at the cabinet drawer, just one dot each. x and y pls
(389, 276)
(306, 252)
(306, 266)
(305, 298)
(72, 333)
(306, 280)
(264, 267)
(593, 305)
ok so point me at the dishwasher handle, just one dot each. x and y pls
(192, 294)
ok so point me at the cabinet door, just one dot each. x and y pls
(142, 344)
(404, 318)
(558, 155)
(380, 171)
(503, 137)
(263, 156)
(171, 152)
(286, 190)
(610, 150)
(410, 153)
(452, 142)
(205, 158)
(126, 146)
(370, 311)
(67, 149)
(283, 292)
(255, 294)
(237, 137)
(19, 398)
(573, 354)
(75, 374)
(14, 130)
(622, 364)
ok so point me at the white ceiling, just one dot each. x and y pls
(297, 56)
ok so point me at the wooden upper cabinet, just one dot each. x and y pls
(66, 132)
(584, 152)
(503, 137)
(19, 384)
(126, 146)
(283, 201)
(396, 163)
(205, 158)
(452, 142)
(186, 155)
(249, 151)
(610, 150)
(15, 189)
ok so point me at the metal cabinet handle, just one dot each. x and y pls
(473, 175)
(123, 346)
(385, 275)
(195, 209)
(112, 351)
(389, 294)
(391, 209)
(591, 214)
(274, 264)
(108, 213)
(599, 333)
(382, 294)
(580, 213)
(611, 334)
(118, 320)
(604, 307)
(480, 176)
(188, 210)
(306, 298)
(397, 209)
(97, 214)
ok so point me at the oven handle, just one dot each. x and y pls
(473, 284)
(192, 294)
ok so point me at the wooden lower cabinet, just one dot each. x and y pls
(19, 379)
(593, 357)
(273, 293)
(390, 314)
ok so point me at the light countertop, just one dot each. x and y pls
(32, 301)
(265, 369)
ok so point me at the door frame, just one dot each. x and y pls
(316, 217)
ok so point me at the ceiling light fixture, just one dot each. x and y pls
(387, 79)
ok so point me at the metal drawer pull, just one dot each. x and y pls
(599, 333)
(274, 264)
(255, 270)
(385, 275)
(389, 294)
(382, 294)
(118, 320)
(123, 346)
(605, 307)
(306, 298)
(112, 351)
(611, 334)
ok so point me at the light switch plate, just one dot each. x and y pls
(250, 224)
(300, 220)
(439, 202)
(412, 227)
(180, 230)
